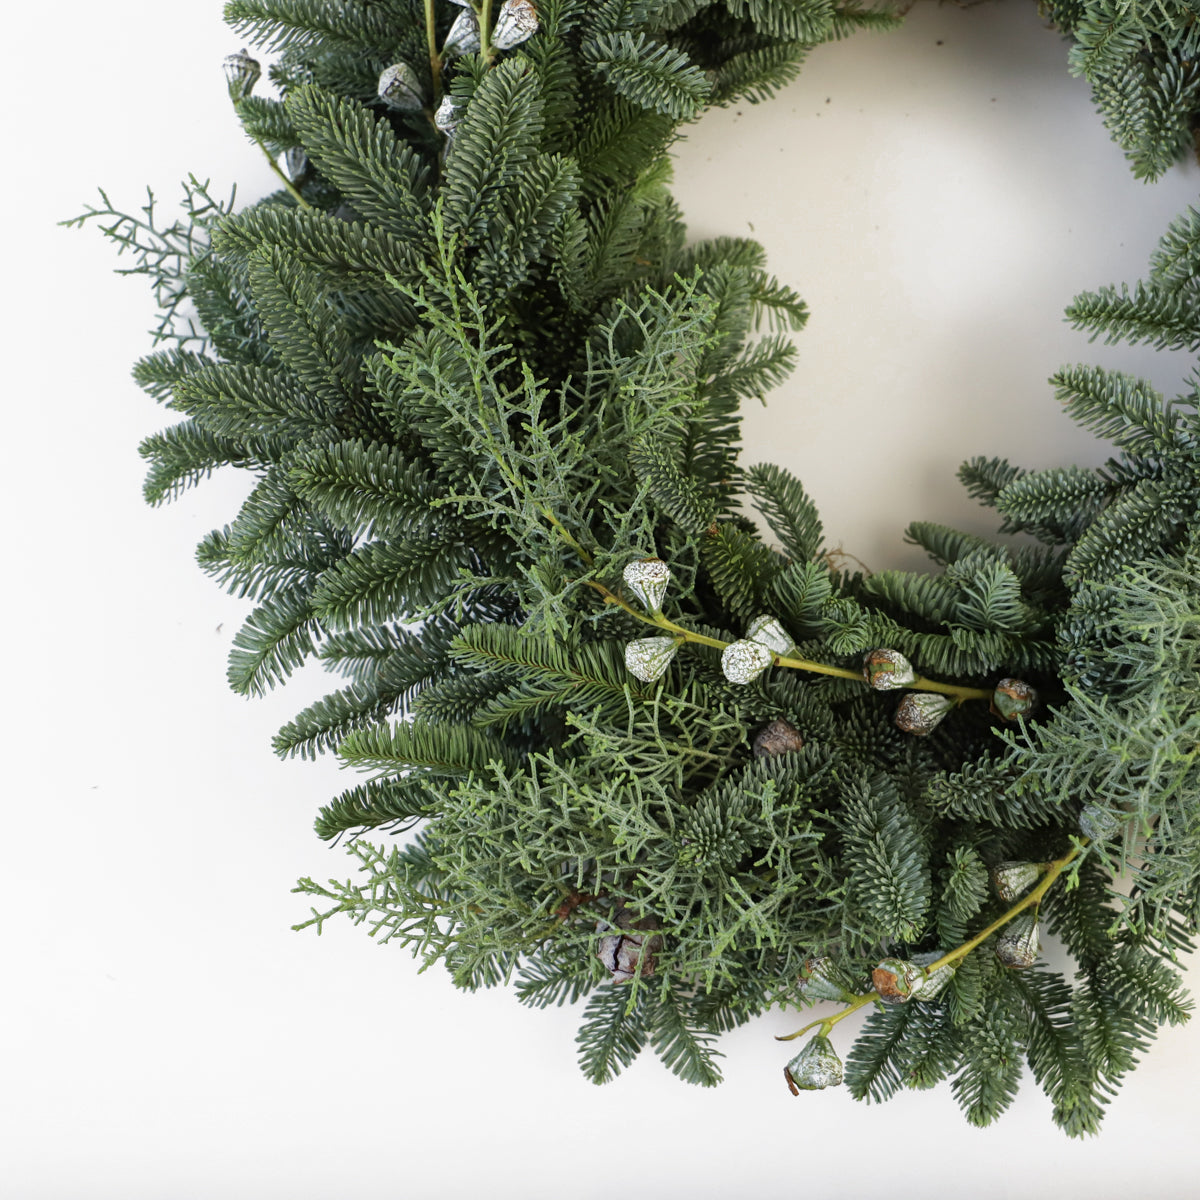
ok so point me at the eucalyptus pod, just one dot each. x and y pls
(516, 22)
(241, 74)
(932, 982)
(1097, 822)
(886, 670)
(821, 980)
(296, 163)
(779, 737)
(463, 37)
(767, 631)
(745, 661)
(1013, 879)
(921, 712)
(896, 980)
(1013, 698)
(816, 1066)
(627, 941)
(647, 579)
(400, 88)
(1018, 943)
(448, 115)
(648, 658)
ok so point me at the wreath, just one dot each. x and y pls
(652, 756)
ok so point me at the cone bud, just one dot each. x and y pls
(886, 670)
(627, 941)
(1013, 879)
(241, 74)
(1097, 823)
(1013, 698)
(400, 88)
(920, 713)
(647, 579)
(816, 1066)
(1018, 943)
(896, 979)
(780, 737)
(767, 631)
(516, 22)
(463, 37)
(648, 658)
(745, 661)
(932, 983)
(819, 981)
(448, 115)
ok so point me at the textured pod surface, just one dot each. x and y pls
(779, 737)
(818, 981)
(463, 37)
(448, 115)
(887, 670)
(920, 713)
(896, 979)
(932, 983)
(516, 22)
(769, 632)
(1097, 823)
(1018, 943)
(626, 942)
(241, 74)
(817, 1066)
(1013, 879)
(1013, 698)
(399, 88)
(647, 579)
(648, 658)
(744, 661)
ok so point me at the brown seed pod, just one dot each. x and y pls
(896, 979)
(780, 737)
(1013, 698)
(625, 943)
(886, 670)
(1018, 944)
(920, 713)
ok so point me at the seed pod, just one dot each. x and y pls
(648, 658)
(895, 979)
(1097, 823)
(819, 981)
(1018, 943)
(770, 633)
(625, 942)
(400, 88)
(1013, 698)
(1013, 879)
(745, 661)
(516, 22)
(296, 163)
(647, 579)
(920, 712)
(780, 737)
(816, 1066)
(448, 115)
(932, 983)
(886, 670)
(241, 74)
(463, 37)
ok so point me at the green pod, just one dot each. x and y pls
(817, 1066)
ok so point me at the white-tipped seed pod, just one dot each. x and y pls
(770, 633)
(896, 980)
(1097, 823)
(463, 37)
(1013, 698)
(816, 1066)
(745, 661)
(819, 981)
(449, 113)
(400, 88)
(516, 22)
(647, 579)
(1013, 879)
(887, 670)
(241, 74)
(648, 658)
(1018, 943)
(295, 163)
(920, 712)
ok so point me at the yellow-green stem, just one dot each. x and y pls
(1053, 871)
(435, 59)
(485, 32)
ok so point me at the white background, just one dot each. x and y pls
(937, 195)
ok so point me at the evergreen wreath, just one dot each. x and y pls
(652, 759)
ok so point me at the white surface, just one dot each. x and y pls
(163, 1034)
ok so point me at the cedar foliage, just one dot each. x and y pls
(475, 375)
